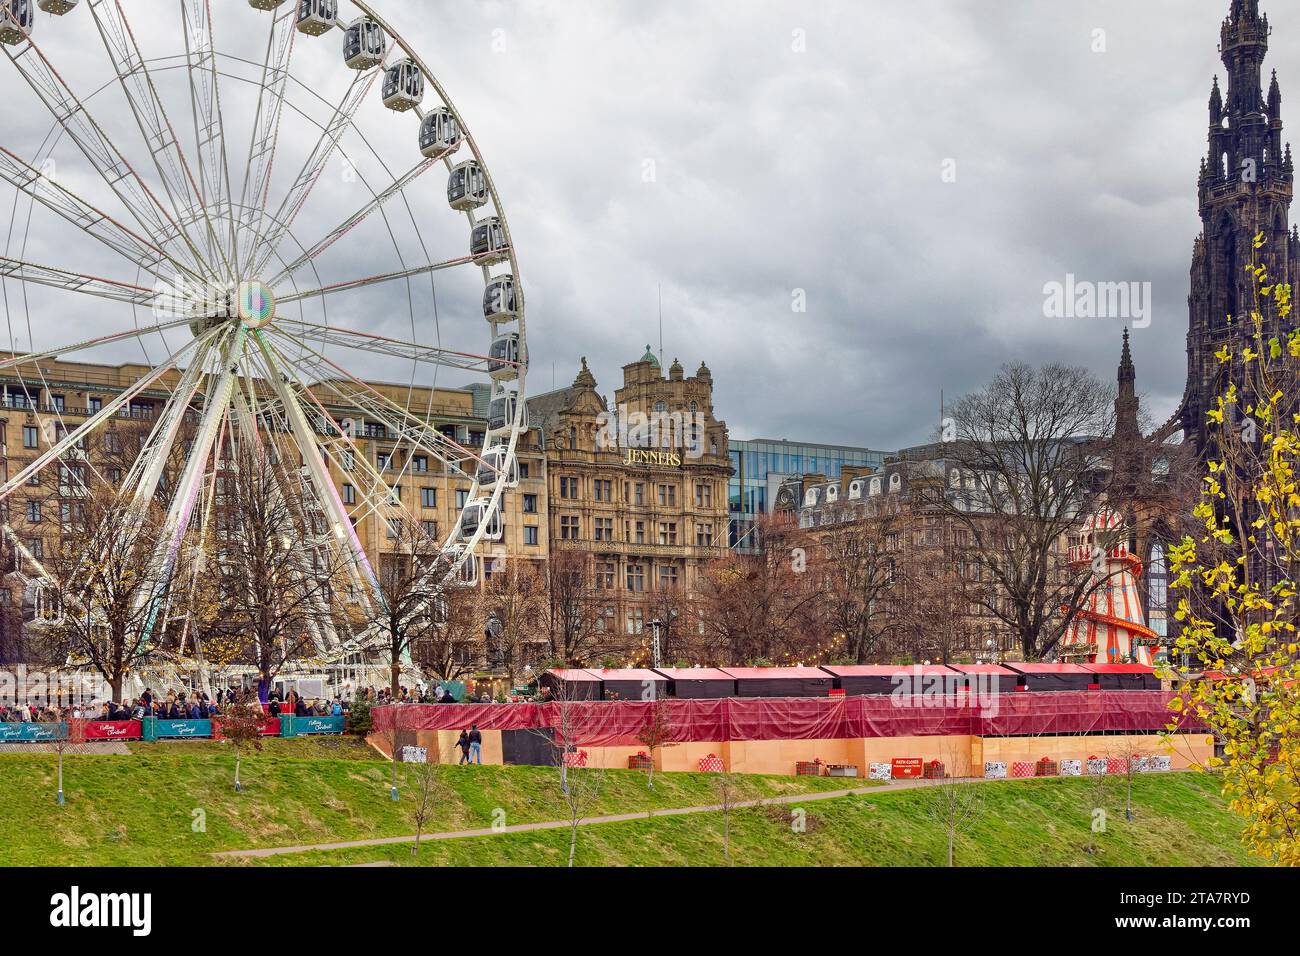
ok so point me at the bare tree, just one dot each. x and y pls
(580, 786)
(106, 583)
(445, 649)
(1028, 450)
(396, 725)
(656, 734)
(274, 594)
(514, 598)
(859, 575)
(727, 789)
(69, 737)
(424, 779)
(955, 803)
(763, 607)
(409, 601)
(570, 607)
(241, 726)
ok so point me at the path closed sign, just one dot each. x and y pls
(907, 767)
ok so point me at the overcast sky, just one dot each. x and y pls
(736, 152)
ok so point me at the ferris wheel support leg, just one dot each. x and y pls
(320, 476)
(182, 506)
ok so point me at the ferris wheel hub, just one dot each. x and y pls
(254, 304)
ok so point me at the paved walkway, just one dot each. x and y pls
(892, 787)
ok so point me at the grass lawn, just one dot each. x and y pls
(145, 808)
(1180, 820)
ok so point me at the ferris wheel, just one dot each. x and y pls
(236, 202)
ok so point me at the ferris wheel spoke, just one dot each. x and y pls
(307, 177)
(205, 104)
(104, 157)
(377, 279)
(366, 397)
(142, 252)
(62, 350)
(147, 469)
(182, 504)
(384, 345)
(354, 220)
(70, 281)
(266, 129)
(155, 127)
(322, 484)
(70, 440)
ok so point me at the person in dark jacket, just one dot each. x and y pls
(463, 744)
(475, 745)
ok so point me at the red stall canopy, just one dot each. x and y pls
(1002, 678)
(698, 683)
(630, 683)
(1044, 676)
(571, 684)
(780, 681)
(888, 678)
(1124, 676)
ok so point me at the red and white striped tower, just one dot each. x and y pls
(1110, 628)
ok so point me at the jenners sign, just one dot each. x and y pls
(638, 456)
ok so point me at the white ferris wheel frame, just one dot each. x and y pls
(229, 353)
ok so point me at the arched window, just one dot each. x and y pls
(895, 481)
(1158, 591)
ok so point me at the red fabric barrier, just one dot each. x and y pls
(616, 723)
(114, 730)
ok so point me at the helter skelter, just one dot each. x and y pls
(1110, 628)
(236, 213)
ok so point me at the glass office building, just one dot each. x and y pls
(760, 465)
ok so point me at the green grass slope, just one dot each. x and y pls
(1180, 820)
(174, 804)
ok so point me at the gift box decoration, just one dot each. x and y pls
(1071, 768)
(1097, 766)
(1117, 765)
(1022, 768)
(934, 770)
(1160, 764)
(995, 770)
(808, 768)
(1046, 767)
(1141, 764)
(639, 761)
(711, 764)
(880, 771)
(575, 758)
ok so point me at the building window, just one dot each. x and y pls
(430, 528)
(96, 404)
(523, 470)
(58, 402)
(638, 494)
(462, 498)
(703, 495)
(635, 620)
(568, 488)
(570, 526)
(349, 495)
(668, 532)
(605, 620)
(703, 535)
(667, 576)
(667, 496)
(638, 534)
(394, 527)
(604, 529)
(30, 439)
(605, 571)
(601, 489)
(112, 442)
(530, 534)
(530, 504)
(420, 463)
(34, 512)
(636, 577)
(428, 497)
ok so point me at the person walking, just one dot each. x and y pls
(463, 744)
(475, 745)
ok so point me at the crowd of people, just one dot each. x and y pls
(174, 705)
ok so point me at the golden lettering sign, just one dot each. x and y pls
(638, 456)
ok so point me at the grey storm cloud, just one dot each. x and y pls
(732, 152)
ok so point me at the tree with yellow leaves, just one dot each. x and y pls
(1237, 578)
